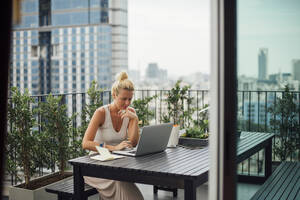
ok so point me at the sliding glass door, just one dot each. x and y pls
(268, 66)
(255, 93)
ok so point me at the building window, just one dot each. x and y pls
(34, 51)
(55, 50)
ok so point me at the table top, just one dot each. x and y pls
(178, 161)
(251, 142)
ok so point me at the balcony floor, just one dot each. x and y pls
(245, 191)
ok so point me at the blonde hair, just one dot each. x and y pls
(122, 82)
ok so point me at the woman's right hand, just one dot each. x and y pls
(123, 145)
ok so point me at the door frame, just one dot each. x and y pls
(222, 173)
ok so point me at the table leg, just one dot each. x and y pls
(189, 190)
(78, 183)
(268, 155)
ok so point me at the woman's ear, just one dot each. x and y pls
(113, 95)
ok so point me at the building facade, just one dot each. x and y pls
(296, 69)
(63, 45)
(154, 72)
(262, 64)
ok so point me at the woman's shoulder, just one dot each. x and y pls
(101, 110)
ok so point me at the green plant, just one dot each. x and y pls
(176, 99)
(196, 132)
(284, 122)
(202, 121)
(95, 101)
(142, 109)
(56, 132)
(21, 137)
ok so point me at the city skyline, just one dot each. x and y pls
(271, 24)
(172, 34)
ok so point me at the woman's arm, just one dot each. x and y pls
(133, 127)
(90, 133)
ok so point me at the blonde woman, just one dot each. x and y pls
(115, 127)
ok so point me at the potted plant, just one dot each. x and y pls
(53, 138)
(197, 136)
(143, 112)
(285, 124)
(95, 101)
(21, 137)
(56, 133)
(176, 99)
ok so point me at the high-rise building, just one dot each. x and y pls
(154, 72)
(63, 45)
(296, 69)
(262, 64)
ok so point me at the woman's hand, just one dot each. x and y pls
(127, 113)
(123, 145)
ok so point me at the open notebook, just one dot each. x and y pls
(105, 155)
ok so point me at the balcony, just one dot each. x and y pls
(250, 103)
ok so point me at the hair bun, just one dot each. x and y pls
(122, 76)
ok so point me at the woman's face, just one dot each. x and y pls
(123, 99)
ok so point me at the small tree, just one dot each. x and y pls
(95, 97)
(286, 123)
(202, 122)
(176, 99)
(56, 132)
(142, 109)
(22, 139)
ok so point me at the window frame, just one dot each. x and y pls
(222, 176)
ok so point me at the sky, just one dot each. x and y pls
(176, 35)
(173, 33)
(272, 24)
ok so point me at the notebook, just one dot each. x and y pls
(105, 155)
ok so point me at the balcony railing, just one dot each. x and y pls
(252, 109)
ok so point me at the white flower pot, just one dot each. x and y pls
(18, 193)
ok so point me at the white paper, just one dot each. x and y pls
(105, 155)
(101, 158)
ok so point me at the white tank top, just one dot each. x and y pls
(106, 133)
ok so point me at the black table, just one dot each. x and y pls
(176, 167)
(248, 145)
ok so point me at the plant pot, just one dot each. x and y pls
(18, 193)
(193, 142)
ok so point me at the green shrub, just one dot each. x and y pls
(22, 140)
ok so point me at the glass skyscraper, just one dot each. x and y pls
(263, 64)
(62, 45)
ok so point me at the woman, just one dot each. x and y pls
(115, 127)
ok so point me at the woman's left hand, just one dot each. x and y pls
(127, 113)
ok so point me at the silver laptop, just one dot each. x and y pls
(153, 139)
